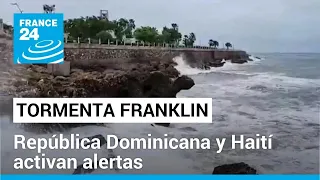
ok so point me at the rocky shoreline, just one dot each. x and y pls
(139, 74)
(153, 77)
(159, 79)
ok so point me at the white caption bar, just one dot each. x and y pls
(112, 110)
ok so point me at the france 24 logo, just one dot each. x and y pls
(38, 38)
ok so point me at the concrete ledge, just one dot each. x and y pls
(59, 69)
(122, 47)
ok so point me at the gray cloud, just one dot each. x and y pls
(252, 25)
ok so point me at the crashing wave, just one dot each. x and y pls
(185, 69)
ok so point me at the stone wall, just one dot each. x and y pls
(106, 55)
(93, 53)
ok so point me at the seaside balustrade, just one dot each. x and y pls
(109, 42)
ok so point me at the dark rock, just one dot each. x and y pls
(140, 81)
(163, 124)
(188, 129)
(157, 85)
(182, 83)
(206, 67)
(239, 61)
(237, 168)
(153, 78)
(217, 63)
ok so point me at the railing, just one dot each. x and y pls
(137, 44)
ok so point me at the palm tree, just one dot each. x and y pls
(215, 44)
(174, 26)
(123, 23)
(132, 24)
(228, 45)
(186, 41)
(49, 9)
(192, 38)
(211, 43)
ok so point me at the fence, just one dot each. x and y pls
(136, 44)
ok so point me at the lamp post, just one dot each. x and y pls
(17, 5)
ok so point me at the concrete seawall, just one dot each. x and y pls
(89, 54)
(94, 51)
(103, 54)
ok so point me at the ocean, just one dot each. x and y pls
(275, 94)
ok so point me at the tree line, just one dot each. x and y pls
(118, 30)
(94, 27)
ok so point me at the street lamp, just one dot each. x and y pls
(17, 5)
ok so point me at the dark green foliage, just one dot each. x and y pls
(228, 45)
(106, 30)
(188, 41)
(92, 27)
(213, 43)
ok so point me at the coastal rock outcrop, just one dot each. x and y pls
(163, 124)
(152, 78)
(239, 61)
(134, 82)
(236, 168)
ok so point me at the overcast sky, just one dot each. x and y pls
(252, 25)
